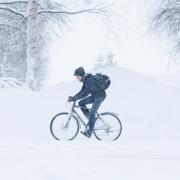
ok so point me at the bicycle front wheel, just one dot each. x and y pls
(107, 127)
(63, 129)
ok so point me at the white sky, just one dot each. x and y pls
(88, 36)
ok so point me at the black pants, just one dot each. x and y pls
(96, 102)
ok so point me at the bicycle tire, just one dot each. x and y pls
(115, 118)
(52, 124)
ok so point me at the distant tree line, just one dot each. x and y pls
(105, 61)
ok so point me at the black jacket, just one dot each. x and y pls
(90, 86)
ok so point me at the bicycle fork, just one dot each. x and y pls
(68, 119)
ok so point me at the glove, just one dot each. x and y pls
(71, 98)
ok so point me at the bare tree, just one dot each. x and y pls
(167, 20)
(34, 15)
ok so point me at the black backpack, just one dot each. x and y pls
(102, 80)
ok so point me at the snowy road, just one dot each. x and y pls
(87, 160)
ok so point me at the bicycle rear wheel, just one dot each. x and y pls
(63, 129)
(107, 127)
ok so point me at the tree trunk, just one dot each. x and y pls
(31, 45)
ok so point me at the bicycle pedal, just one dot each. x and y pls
(86, 134)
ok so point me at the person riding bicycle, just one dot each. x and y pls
(90, 93)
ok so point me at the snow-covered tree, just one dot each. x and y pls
(12, 52)
(99, 62)
(166, 20)
(110, 62)
(32, 18)
(105, 61)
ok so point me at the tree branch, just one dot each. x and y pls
(14, 2)
(92, 10)
(12, 11)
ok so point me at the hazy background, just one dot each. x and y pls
(128, 38)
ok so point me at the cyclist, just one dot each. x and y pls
(90, 93)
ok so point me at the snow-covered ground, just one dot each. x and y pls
(149, 147)
(87, 159)
(169, 79)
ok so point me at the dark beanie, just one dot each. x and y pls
(79, 71)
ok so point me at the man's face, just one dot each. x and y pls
(79, 78)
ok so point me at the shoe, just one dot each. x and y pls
(85, 133)
(87, 128)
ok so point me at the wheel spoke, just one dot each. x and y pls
(62, 128)
(108, 127)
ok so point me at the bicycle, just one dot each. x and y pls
(66, 125)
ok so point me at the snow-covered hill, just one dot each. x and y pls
(147, 109)
(149, 147)
(168, 79)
